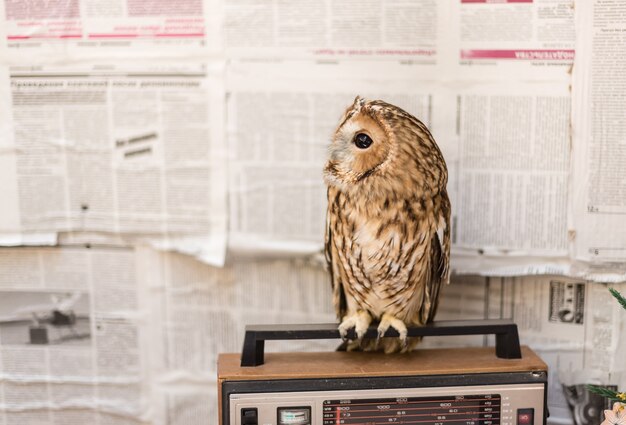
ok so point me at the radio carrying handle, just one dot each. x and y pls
(507, 338)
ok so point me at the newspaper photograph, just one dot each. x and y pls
(45, 318)
(567, 302)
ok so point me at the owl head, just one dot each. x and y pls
(360, 146)
(379, 148)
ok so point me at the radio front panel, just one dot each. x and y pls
(509, 404)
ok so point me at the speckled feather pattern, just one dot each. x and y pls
(386, 205)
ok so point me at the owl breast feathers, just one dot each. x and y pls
(388, 223)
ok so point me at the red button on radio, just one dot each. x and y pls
(525, 416)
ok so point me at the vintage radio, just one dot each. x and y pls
(469, 386)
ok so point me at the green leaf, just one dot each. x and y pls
(604, 392)
(619, 297)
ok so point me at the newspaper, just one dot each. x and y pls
(191, 405)
(389, 30)
(119, 148)
(532, 38)
(598, 186)
(529, 39)
(69, 29)
(514, 167)
(70, 346)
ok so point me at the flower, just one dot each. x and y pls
(617, 416)
(621, 397)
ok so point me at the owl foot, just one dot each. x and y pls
(390, 321)
(360, 321)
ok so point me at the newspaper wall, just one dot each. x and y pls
(494, 87)
(486, 85)
(146, 126)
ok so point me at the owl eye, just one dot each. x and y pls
(363, 141)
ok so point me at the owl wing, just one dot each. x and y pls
(430, 300)
(444, 264)
(330, 251)
(439, 264)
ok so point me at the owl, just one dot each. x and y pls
(388, 223)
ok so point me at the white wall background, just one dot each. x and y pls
(164, 159)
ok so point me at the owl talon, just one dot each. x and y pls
(403, 343)
(377, 343)
(360, 321)
(343, 333)
(344, 329)
(388, 321)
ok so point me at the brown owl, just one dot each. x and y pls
(388, 223)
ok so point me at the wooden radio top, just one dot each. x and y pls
(441, 361)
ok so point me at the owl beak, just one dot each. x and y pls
(339, 151)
